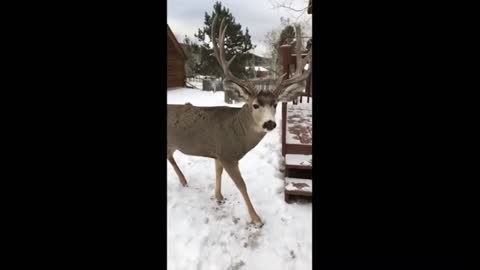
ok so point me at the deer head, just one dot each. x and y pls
(262, 104)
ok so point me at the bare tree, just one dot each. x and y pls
(284, 33)
(296, 8)
(271, 41)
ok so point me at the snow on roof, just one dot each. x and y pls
(258, 68)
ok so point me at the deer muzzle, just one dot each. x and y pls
(269, 125)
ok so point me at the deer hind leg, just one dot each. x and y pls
(234, 173)
(218, 184)
(180, 175)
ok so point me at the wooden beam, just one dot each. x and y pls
(284, 128)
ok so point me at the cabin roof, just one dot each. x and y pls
(176, 45)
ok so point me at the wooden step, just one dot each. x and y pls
(296, 129)
(296, 161)
(299, 124)
(298, 186)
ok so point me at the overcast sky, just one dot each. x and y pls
(185, 17)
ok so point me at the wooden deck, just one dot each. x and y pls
(297, 134)
(297, 128)
(297, 149)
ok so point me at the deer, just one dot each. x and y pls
(227, 134)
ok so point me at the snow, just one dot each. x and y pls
(197, 84)
(307, 184)
(299, 115)
(207, 236)
(299, 160)
(198, 97)
(257, 68)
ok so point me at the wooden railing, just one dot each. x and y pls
(289, 64)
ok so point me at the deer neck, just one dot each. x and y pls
(245, 130)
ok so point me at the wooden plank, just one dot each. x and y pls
(296, 161)
(298, 186)
(298, 193)
(288, 167)
(299, 124)
(298, 149)
(285, 56)
(289, 198)
(284, 127)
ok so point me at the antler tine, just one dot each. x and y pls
(219, 50)
(221, 41)
(307, 58)
(280, 78)
(299, 78)
(298, 49)
(214, 42)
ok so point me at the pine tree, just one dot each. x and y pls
(192, 51)
(236, 41)
(287, 35)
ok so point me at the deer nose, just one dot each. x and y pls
(269, 125)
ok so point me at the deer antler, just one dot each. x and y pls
(299, 74)
(219, 52)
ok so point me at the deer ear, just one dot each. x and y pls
(235, 88)
(291, 92)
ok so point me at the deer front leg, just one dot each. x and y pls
(234, 173)
(218, 184)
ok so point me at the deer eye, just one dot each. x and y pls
(275, 105)
(255, 106)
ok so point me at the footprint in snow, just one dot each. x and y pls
(235, 219)
(292, 254)
(236, 266)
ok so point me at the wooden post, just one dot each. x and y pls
(286, 56)
(309, 87)
(284, 127)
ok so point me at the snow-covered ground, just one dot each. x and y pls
(197, 84)
(203, 235)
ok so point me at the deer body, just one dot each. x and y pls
(222, 133)
(226, 134)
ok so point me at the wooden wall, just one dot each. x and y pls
(176, 74)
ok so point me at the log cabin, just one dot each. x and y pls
(176, 58)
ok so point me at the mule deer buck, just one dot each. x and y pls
(226, 134)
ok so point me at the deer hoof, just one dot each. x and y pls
(219, 198)
(258, 223)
